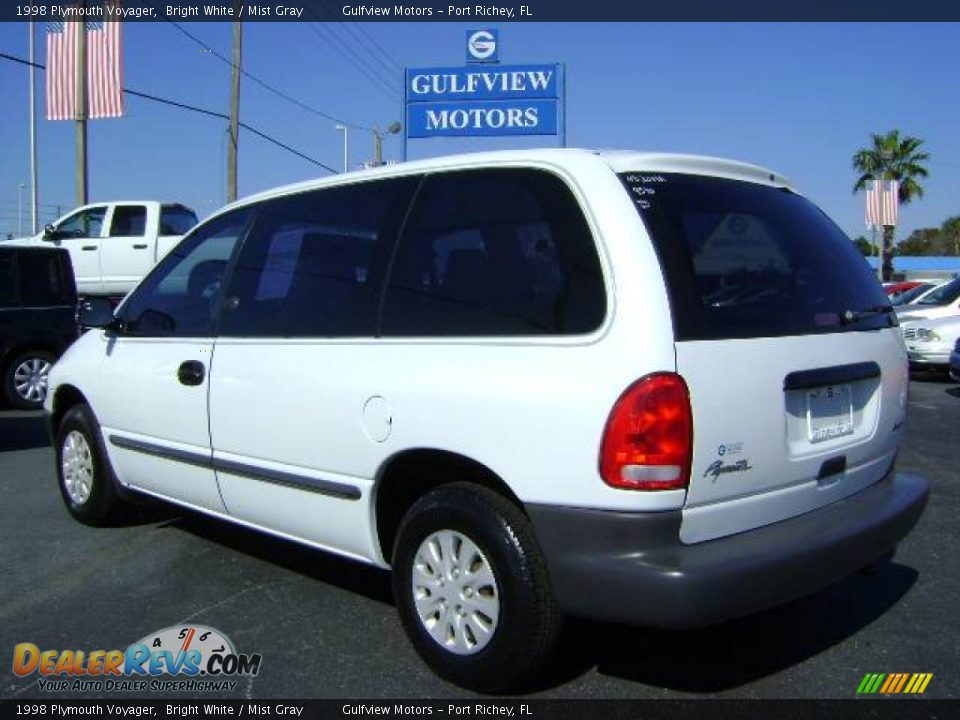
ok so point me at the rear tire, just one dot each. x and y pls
(87, 483)
(472, 588)
(25, 379)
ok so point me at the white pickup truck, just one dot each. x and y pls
(113, 245)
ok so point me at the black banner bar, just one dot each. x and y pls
(485, 709)
(491, 12)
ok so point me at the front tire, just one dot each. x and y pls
(86, 480)
(25, 379)
(472, 588)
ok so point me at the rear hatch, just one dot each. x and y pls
(787, 342)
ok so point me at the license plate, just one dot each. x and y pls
(829, 413)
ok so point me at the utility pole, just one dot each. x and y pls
(377, 148)
(20, 188)
(34, 199)
(234, 112)
(81, 116)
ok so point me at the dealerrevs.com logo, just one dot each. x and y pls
(201, 658)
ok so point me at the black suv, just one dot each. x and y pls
(38, 301)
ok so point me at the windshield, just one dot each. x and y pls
(902, 298)
(747, 260)
(942, 295)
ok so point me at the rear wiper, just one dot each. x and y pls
(848, 317)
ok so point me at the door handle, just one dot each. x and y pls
(191, 372)
(89, 247)
(139, 247)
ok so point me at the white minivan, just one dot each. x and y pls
(654, 389)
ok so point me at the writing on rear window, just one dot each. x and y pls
(743, 259)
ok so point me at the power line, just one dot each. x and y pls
(396, 66)
(343, 48)
(366, 41)
(265, 85)
(193, 108)
(347, 52)
(393, 65)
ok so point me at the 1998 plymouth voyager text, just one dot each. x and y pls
(241, 10)
(150, 710)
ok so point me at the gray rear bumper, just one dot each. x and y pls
(632, 567)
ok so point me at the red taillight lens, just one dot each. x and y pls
(648, 441)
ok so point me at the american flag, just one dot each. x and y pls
(104, 69)
(891, 203)
(883, 202)
(873, 203)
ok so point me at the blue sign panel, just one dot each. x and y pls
(477, 118)
(483, 46)
(500, 82)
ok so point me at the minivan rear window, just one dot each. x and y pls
(743, 260)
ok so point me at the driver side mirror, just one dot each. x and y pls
(49, 232)
(95, 312)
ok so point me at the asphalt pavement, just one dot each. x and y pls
(326, 627)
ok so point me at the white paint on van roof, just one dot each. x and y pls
(618, 160)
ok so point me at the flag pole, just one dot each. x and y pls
(879, 253)
(34, 199)
(81, 116)
(879, 223)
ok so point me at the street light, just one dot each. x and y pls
(20, 188)
(345, 146)
(392, 129)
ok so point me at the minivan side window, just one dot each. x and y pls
(495, 252)
(180, 297)
(313, 264)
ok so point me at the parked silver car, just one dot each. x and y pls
(930, 342)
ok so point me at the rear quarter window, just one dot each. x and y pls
(743, 260)
(495, 252)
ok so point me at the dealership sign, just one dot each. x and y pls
(483, 98)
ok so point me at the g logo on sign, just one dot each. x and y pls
(482, 45)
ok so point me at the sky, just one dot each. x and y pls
(797, 98)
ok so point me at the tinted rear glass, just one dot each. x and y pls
(495, 252)
(176, 220)
(747, 260)
(44, 279)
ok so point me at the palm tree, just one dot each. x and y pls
(892, 157)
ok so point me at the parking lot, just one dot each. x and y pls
(327, 628)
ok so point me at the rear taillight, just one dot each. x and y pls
(648, 441)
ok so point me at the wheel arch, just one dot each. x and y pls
(65, 397)
(410, 474)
